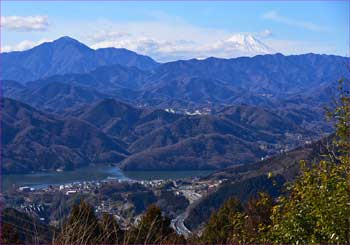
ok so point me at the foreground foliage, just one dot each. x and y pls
(317, 209)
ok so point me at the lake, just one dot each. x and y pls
(99, 172)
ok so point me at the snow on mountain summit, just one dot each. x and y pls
(243, 45)
(249, 43)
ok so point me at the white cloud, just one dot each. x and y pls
(162, 50)
(166, 50)
(165, 29)
(164, 40)
(275, 16)
(25, 23)
(24, 45)
(265, 33)
(103, 35)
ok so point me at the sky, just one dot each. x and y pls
(181, 30)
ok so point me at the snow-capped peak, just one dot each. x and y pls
(241, 38)
(249, 43)
(243, 44)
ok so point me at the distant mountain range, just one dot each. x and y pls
(66, 55)
(264, 80)
(186, 114)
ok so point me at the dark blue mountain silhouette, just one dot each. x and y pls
(66, 55)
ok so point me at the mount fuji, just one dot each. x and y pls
(242, 45)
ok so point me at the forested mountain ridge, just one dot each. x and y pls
(36, 141)
(245, 181)
(148, 139)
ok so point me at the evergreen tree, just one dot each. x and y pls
(230, 224)
(153, 228)
(258, 212)
(226, 225)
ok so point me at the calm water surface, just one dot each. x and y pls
(101, 172)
